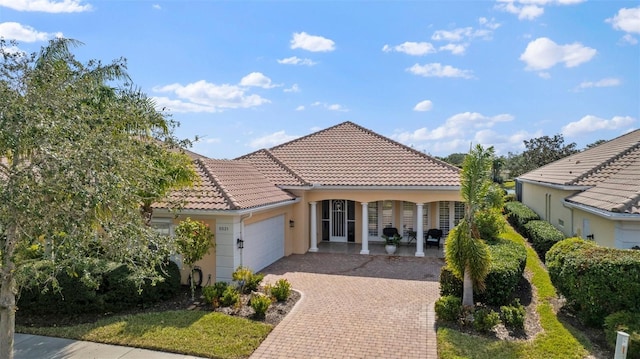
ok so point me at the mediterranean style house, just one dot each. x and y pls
(341, 184)
(594, 194)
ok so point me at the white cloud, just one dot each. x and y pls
(530, 9)
(156, 7)
(456, 49)
(544, 75)
(592, 123)
(330, 107)
(302, 40)
(461, 34)
(425, 105)
(437, 70)
(460, 130)
(542, 53)
(202, 96)
(295, 60)
(24, 33)
(271, 140)
(628, 39)
(300, 108)
(411, 48)
(606, 82)
(489, 23)
(257, 79)
(212, 140)
(64, 6)
(627, 20)
(293, 88)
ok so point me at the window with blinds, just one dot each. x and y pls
(373, 219)
(444, 217)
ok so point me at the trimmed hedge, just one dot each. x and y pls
(519, 214)
(116, 290)
(542, 235)
(508, 260)
(626, 322)
(597, 281)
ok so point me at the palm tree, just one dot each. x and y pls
(466, 254)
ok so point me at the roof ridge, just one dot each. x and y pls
(283, 165)
(216, 182)
(606, 163)
(424, 155)
(311, 134)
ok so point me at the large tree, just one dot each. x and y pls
(79, 145)
(466, 253)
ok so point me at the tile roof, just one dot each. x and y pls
(351, 155)
(227, 185)
(612, 170)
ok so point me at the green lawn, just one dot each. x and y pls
(557, 340)
(198, 333)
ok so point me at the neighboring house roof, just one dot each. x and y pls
(227, 185)
(351, 155)
(611, 171)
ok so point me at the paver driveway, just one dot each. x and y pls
(356, 306)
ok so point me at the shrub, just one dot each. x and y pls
(596, 281)
(508, 260)
(484, 319)
(542, 235)
(212, 294)
(96, 286)
(519, 214)
(247, 281)
(626, 322)
(229, 297)
(489, 223)
(448, 308)
(513, 315)
(510, 197)
(281, 290)
(260, 303)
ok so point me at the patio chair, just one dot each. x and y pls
(390, 231)
(433, 237)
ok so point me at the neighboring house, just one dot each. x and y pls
(594, 194)
(342, 184)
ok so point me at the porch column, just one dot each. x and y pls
(419, 232)
(314, 228)
(365, 228)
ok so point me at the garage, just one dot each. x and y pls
(263, 243)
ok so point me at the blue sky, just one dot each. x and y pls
(435, 75)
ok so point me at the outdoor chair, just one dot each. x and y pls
(390, 231)
(433, 237)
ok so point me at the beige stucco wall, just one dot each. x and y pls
(603, 229)
(535, 197)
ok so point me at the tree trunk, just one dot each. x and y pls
(467, 289)
(8, 296)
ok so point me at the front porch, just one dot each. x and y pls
(377, 248)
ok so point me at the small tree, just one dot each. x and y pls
(466, 254)
(193, 239)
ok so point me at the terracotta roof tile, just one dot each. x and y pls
(612, 169)
(350, 155)
(264, 161)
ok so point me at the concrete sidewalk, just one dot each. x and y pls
(28, 346)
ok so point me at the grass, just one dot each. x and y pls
(509, 185)
(198, 333)
(557, 340)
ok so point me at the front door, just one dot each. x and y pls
(338, 220)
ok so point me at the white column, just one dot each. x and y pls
(314, 228)
(365, 228)
(419, 232)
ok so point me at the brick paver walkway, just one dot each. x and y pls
(356, 306)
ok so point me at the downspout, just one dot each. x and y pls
(241, 239)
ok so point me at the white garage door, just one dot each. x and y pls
(263, 243)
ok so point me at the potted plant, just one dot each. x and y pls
(391, 243)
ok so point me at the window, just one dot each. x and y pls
(425, 217)
(387, 213)
(561, 223)
(407, 217)
(444, 217)
(458, 212)
(162, 226)
(373, 219)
